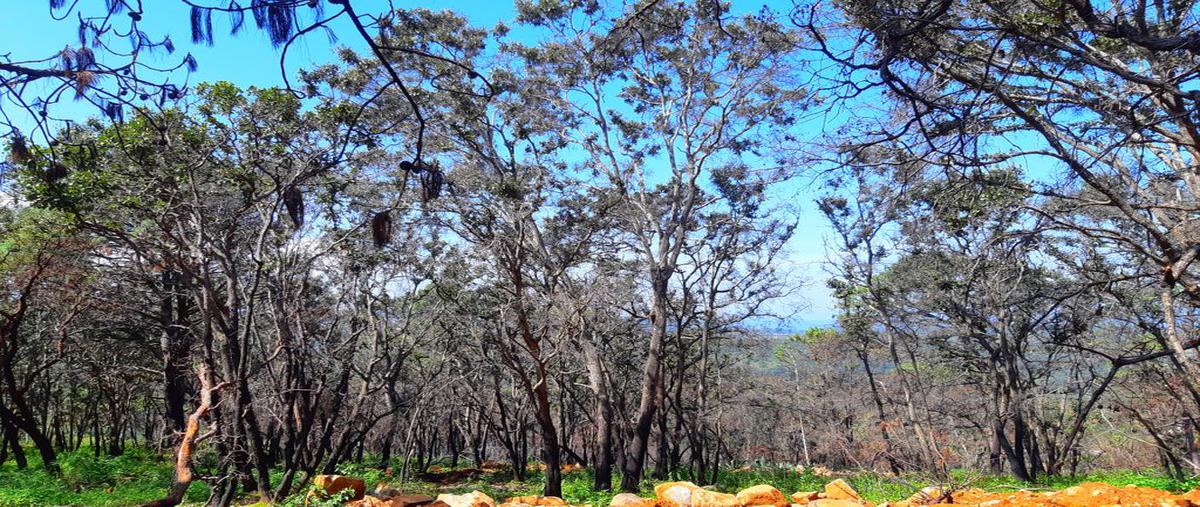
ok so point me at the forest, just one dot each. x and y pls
(559, 251)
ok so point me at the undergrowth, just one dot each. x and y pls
(136, 477)
(140, 475)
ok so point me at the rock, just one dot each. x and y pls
(706, 498)
(1096, 493)
(840, 490)
(472, 499)
(838, 502)
(686, 494)
(762, 494)
(334, 484)
(803, 497)
(535, 501)
(631, 500)
(928, 495)
(370, 501)
(397, 500)
(675, 494)
(409, 500)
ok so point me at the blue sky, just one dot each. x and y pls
(28, 31)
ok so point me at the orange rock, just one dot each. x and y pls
(334, 484)
(546, 501)
(675, 494)
(370, 501)
(1020, 498)
(407, 500)
(472, 499)
(929, 495)
(706, 498)
(838, 502)
(686, 494)
(840, 490)
(821, 471)
(762, 494)
(631, 500)
(1095, 493)
(803, 497)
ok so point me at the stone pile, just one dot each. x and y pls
(1084, 495)
(685, 494)
(837, 493)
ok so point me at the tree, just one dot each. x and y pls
(659, 97)
(120, 82)
(39, 258)
(1095, 93)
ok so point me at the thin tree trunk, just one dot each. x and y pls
(191, 436)
(635, 453)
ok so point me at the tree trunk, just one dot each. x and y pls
(175, 350)
(183, 457)
(603, 454)
(12, 441)
(635, 453)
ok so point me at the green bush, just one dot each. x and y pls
(134, 478)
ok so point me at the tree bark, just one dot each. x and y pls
(191, 436)
(635, 453)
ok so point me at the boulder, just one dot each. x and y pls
(408, 500)
(549, 501)
(762, 494)
(838, 502)
(706, 498)
(631, 500)
(370, 501)
(400, 500)
(803, 497)
(334, 484)
(840, 490)
(675, 494)
(686, 494)
(472, 499)
(1096, 493)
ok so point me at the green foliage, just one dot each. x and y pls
(140, 475)
(134, 478)
(313, 498)
(370, 475)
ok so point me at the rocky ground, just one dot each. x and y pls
(837, 493)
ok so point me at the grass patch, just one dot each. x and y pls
(136, 477)
(140, 475)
